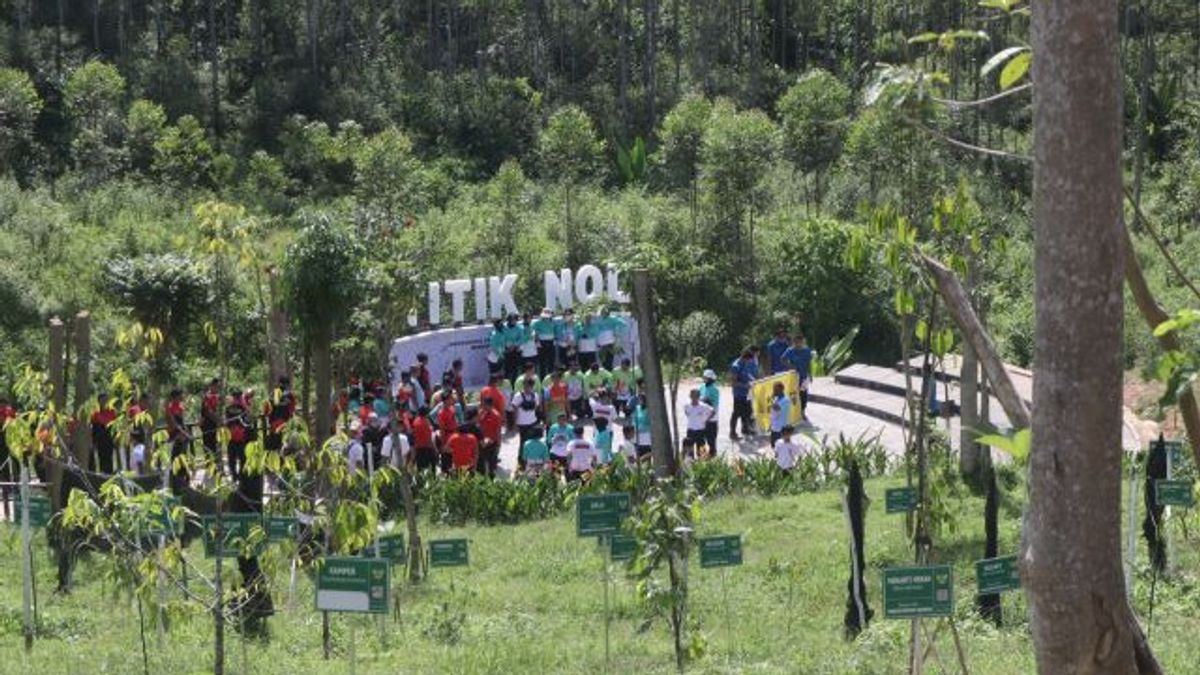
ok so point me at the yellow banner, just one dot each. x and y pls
(762, 391)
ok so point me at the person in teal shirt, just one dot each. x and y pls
(603, 440)
(497, 345)
(567, 338)
(535, 452)
(514, 337)
(545, 330)
(609, 330)
(560, 436)
(711, 394)
(641, 425)
(588, 331)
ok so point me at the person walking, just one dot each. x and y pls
(741, 374)
(710, 393)
(781, 410)
(698, 413)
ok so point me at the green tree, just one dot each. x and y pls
(93, 96)
(680, 138)
(388, 176)
(737, 151)
(144, 126)
(813, 113)
(183, 157)
(19, 109)
(321, 275)
(570, 154)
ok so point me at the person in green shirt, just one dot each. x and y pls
(535, 453)
(545, 329)
(624, 384)
(576, 393)
(596, 378)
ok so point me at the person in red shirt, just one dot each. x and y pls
(179, 438)
(447, 423)
(7, 413)
(464, 449)
(210, 421)
(423, 377)
(422, 437)
(492, 391)
(102, 438)
(490, 424)
(241, 429)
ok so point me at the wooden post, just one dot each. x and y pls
(660, 436)
(83, 386)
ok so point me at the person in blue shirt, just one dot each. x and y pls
(603, 440)
(775, 349)
(545, 330)
(741, 373)
(799, 358)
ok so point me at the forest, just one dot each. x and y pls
(740, 139)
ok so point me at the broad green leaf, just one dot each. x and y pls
(923, 38)
(999, 58)
(1015, 69)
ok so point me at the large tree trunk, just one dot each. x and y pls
(1070, 553)
(662, 449)
(1154, 314)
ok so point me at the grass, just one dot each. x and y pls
(532, 602)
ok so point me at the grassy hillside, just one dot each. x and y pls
(532, 602)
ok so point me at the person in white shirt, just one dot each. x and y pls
(628, 447)
(526, 405)
(355, 453)
(786, 452)
(781, 410)
(601, 407)
(395, 459)
(698, 413)
(581, 456)
(137, 455)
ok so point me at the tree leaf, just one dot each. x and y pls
(999, 58)
(1015, 69)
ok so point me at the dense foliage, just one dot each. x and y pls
(456, 139)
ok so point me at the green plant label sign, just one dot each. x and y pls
(996, 575)
(915, 592)
(236, 526)
(280, 528)
(901, 500)
(39, 509)
(353, 585)
(600, 514)
(1174, 493)
(161, 523)
(721, 551)
(448, 553)
(391, 548)
(621, 547)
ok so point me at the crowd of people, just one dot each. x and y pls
(572, 400)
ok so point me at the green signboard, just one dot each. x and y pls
(236, 526)
(621, 547)
(917, 592)
(721, 551)
(1174, 493)
(353, 585)
(996, 575)
(39, 509)
(901, 500)
(600, 514)
(448, 553)
(391, 548)
(280, 528)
